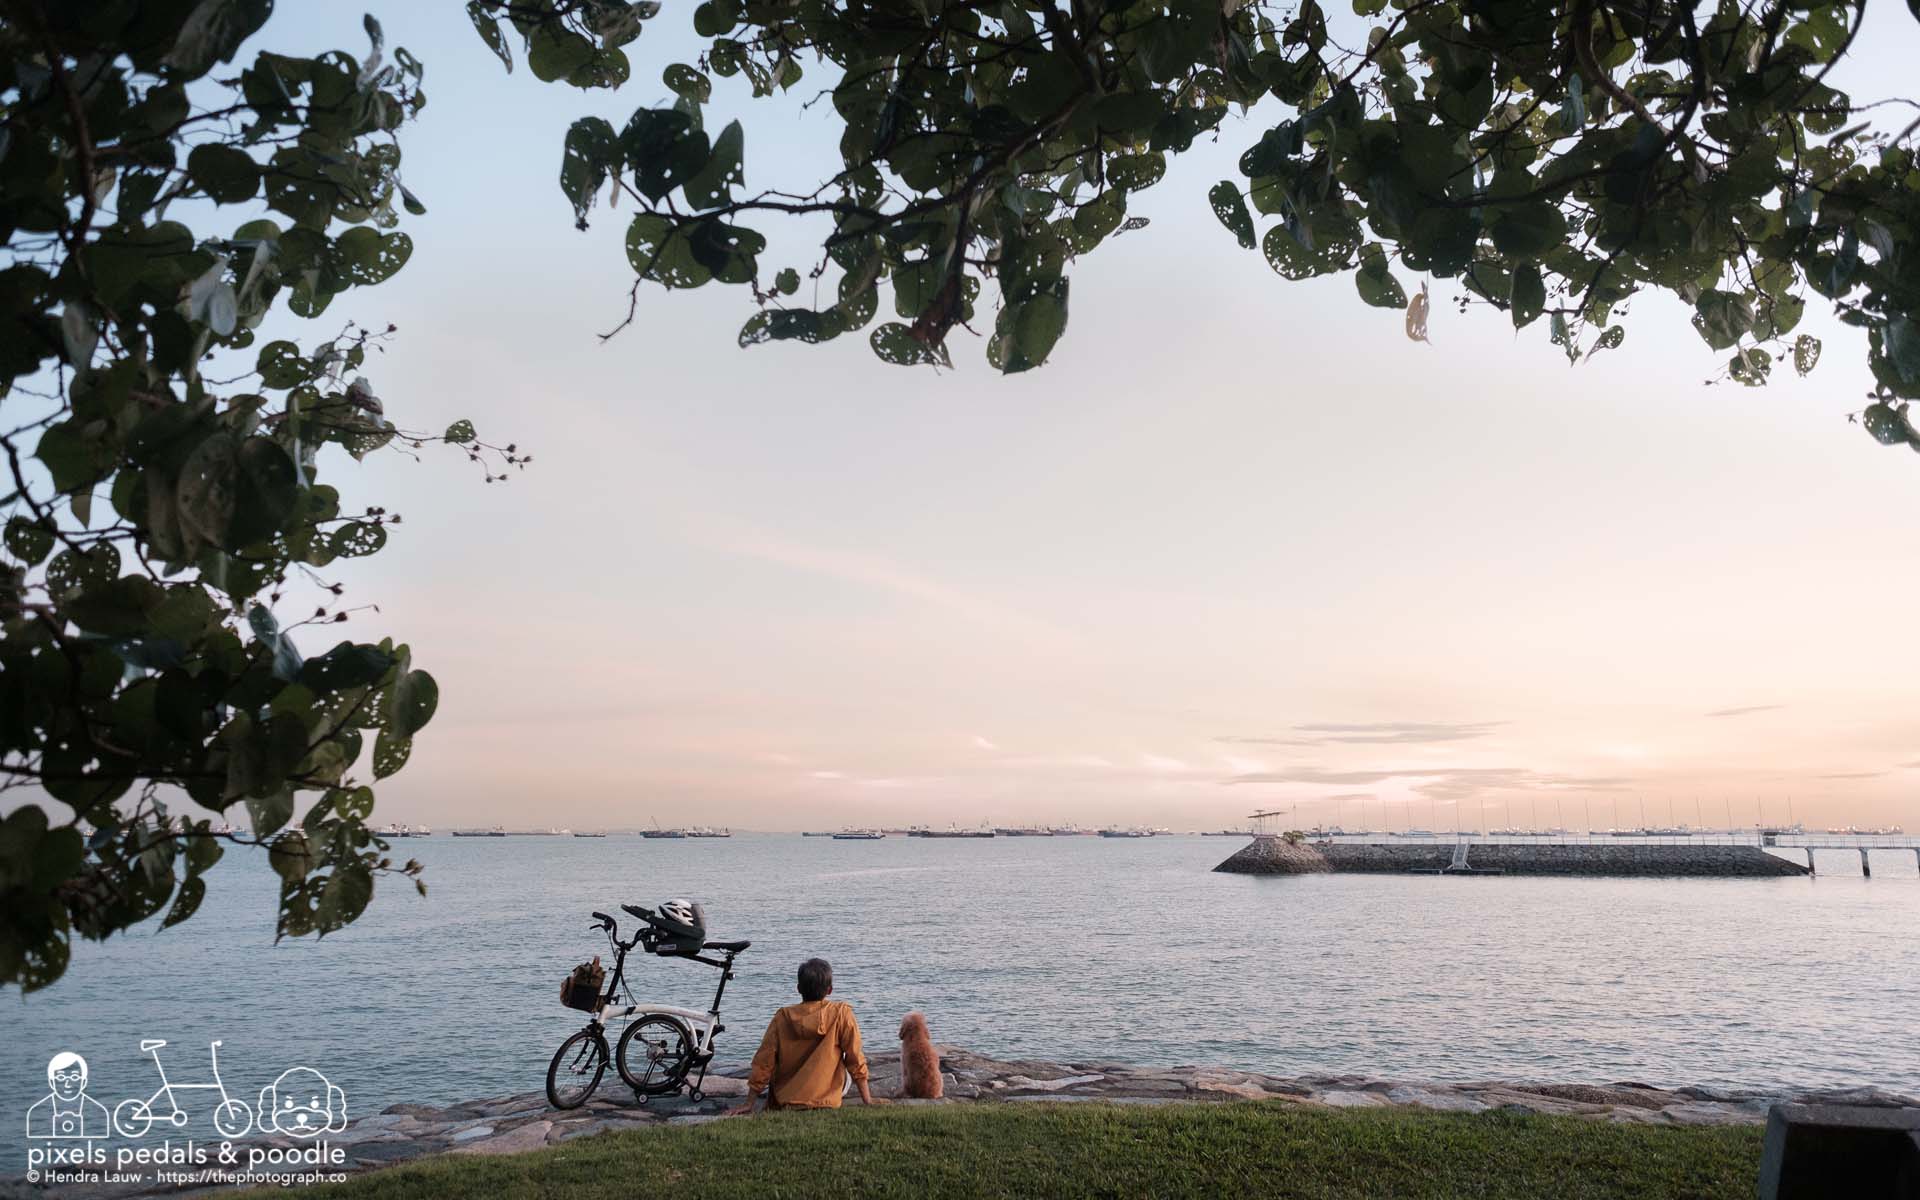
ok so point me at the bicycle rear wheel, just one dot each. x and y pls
(655, 1054)
(576, 1069)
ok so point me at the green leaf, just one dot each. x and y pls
(357, 539)
(96, 565)
(390, 753)
(411, 703)
(687, 81)
(1376, 283)
(591, 152)
(291, 855)
(712, 186)
(281, 365)
(1097, 218)
(894, 342)
(1722, 317)
(1806, 348)
(226, 174)
(75, 453)
(28, 539)
(1231, 208)
(211, 33)
(269, 814)
(266, 492)
(1528, 297)
(187, 902)
(556, 52)
(788, 281)
(1887, 424)
(1901, 338)
(1750, 366)
(479, 12)
(1027, 331)
(367, 256)
(344, 897)
(1133, 172)
(347, 665)
(1130, 112)
(1528, 230)
(460, 432)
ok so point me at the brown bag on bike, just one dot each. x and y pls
(581, 988)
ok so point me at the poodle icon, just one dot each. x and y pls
(302, 1103)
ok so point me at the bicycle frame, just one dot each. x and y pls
(703, 1026)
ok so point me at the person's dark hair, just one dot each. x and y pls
(816, 979)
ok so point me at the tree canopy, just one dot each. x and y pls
(164, 465)
(1556, 159)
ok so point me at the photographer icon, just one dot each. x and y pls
(67, 1111)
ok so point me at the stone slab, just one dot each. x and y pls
(530, 1136)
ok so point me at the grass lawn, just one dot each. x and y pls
(1253, 1149)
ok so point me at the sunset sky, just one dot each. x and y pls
(1240, 544)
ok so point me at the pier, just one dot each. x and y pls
(1757, 855)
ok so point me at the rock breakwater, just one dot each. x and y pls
(1272, 856)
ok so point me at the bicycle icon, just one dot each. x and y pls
(134, 1117)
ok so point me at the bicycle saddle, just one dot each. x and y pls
(731, 947)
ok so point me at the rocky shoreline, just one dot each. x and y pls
(524, 1121)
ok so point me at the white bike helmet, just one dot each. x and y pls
(681, 911)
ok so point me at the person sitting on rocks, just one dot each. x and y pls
(810, 1050)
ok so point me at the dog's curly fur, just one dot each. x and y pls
(919, 1062)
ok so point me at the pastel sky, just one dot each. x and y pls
(1240, 544)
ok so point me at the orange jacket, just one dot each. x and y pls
(807, 1055)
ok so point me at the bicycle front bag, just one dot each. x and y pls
(581, 988)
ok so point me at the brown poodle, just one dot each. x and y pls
(919, 1062)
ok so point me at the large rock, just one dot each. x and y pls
(1270, 855)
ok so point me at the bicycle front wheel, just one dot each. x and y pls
(655, 1054)
(576, 1069)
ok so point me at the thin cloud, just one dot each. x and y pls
(1908, 766)
(1374, 733)
(1451, 783)
(1161, 762)
(983, 743)
(1741, 712)
(1395, 733)
(1852, 775)
(1264, 741)
(733, 537)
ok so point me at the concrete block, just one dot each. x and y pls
(1841, 1152)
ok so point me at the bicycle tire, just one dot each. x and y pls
(581, 1058)
(133, 1118)
(669, 1054)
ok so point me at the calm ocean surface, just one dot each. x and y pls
(1060, 948)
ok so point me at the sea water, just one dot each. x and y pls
(1070, 948)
